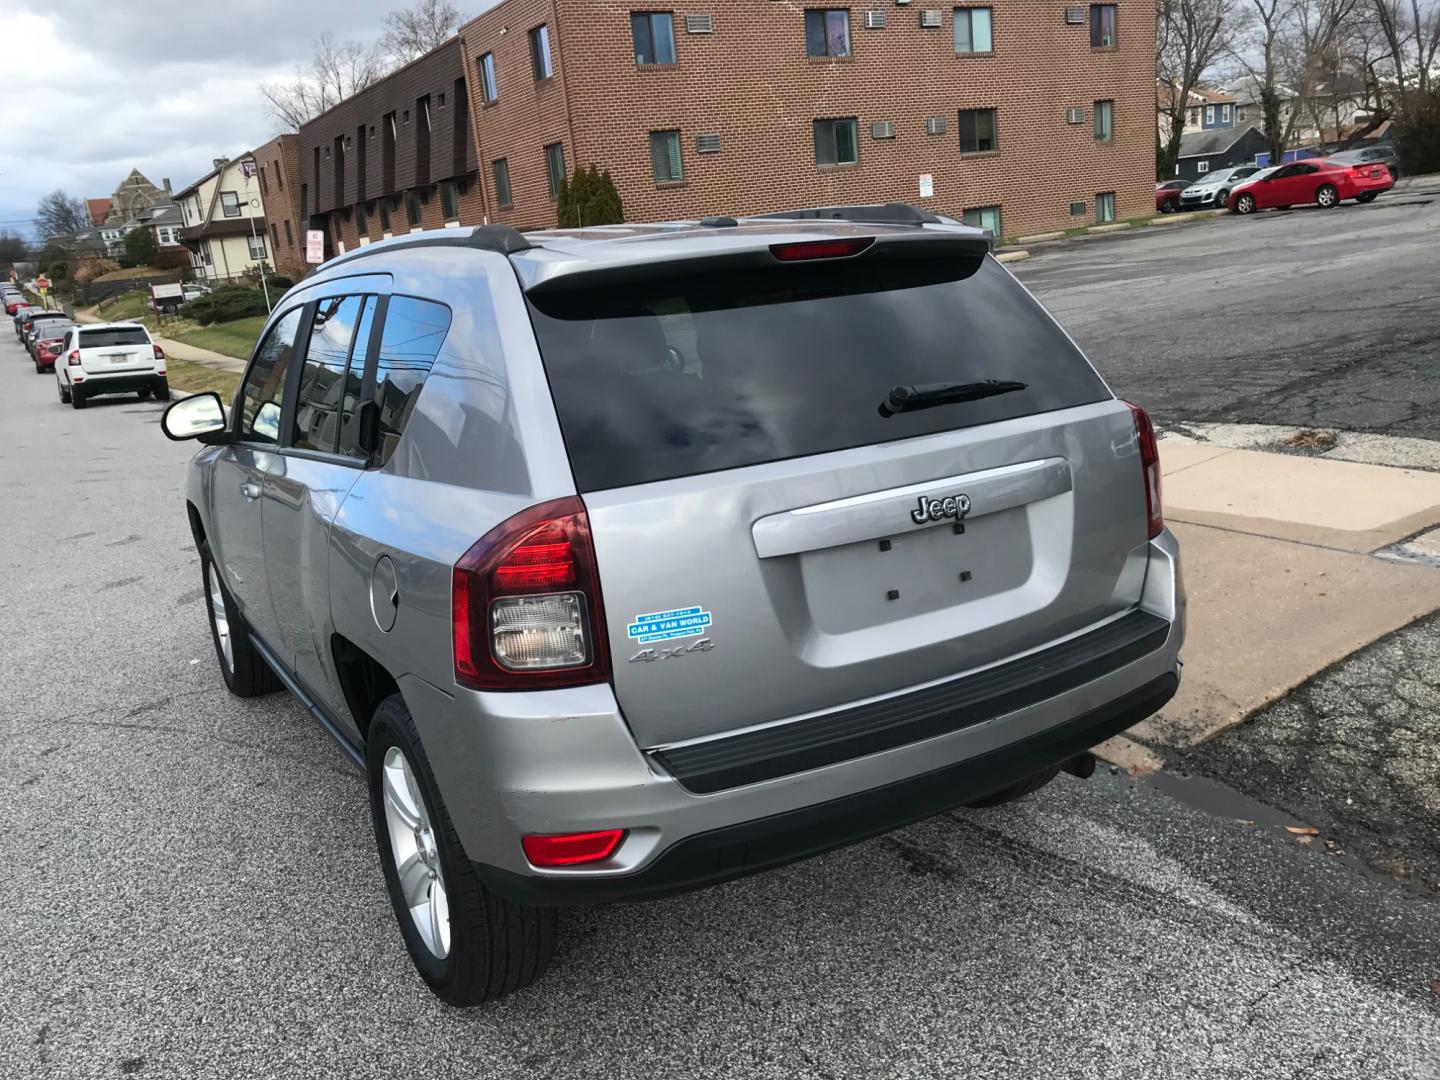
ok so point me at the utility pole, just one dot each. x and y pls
(248, 168)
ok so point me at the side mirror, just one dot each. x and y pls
(200, 417)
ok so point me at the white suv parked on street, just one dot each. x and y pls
(110, 358)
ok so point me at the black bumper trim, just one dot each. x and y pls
(119, 384)
(828, 739)
(737, 850)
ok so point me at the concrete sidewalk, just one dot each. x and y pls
(1279, 557)
(180, 351)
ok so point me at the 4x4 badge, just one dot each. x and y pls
(952, 506)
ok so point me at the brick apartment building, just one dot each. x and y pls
(278, 162)
(396, 157)
(1028, 115)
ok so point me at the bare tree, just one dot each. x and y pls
(412, 32)
(60, 215)
(1190, 36)
(337, 70)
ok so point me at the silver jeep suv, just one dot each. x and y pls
(628, 560)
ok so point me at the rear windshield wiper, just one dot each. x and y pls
(927, 395)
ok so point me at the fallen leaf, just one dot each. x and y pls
(1304, 839)
(1302, 830)
(1435, 986)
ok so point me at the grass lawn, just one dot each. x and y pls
(235, 338)
(132, 272)
(195, 378)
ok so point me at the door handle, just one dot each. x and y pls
(250, 489)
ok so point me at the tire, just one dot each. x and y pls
(161, 390)
(1018, 790)
(1245, 204)
(494, 947)
(64, 394)
(244, 670)
(1366, 196)
(77, 398)
(143, 393)
(1326, 197)
(1168, 206)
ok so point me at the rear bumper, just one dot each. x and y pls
(91, 385)
(511, 765)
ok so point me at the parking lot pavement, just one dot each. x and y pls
(193, 890)
(1304, 317)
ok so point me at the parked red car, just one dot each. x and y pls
(1314, 180)
(15, 304)
(1167, 195)
(47, 352)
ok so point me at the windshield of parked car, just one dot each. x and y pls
(119, 335)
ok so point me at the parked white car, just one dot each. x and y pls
(110, 358)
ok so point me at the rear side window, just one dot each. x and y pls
(680, 375)
(331, 380)
(104, 339)
(414, 332)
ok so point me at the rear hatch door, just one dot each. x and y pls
(770, 544)
(115, 349)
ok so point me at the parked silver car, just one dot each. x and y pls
(1212, 191)
(627, 560)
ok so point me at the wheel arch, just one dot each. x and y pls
(364, 681)
(197, 526)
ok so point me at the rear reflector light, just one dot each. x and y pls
(571, 849)
(525, 604)
(1150, 464)
(821, 249)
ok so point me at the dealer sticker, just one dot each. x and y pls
(664, 625)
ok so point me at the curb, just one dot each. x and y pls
(1184, 216)
(1011, 256)
(1040, 238)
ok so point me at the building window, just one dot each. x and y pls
(384, 215)
(555, 167)
(1104, 120)
(501, 169)
(441, 104)
(972, 30)
(489, 88)
(665, 157)
(1240, 113)
(1194, 117)
(1225, 114)
(264, 184)
(1202, 166)
(978, 131)
(280, 180)
(274, 236)
(230, 204)
(835, 142)
(449, 200)
(1104, 207)
(1102, 26)
(654, 35)
(1209, 114)
(362, 223)
(983, 217)
(257, 247)
(827, 32)
(412, 207)
(289, 236)
(540, 52)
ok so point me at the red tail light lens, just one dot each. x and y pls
(74, 358)
(159, 353)
(526, 612)
(571, 849)
(1150, 464)
(821, 249)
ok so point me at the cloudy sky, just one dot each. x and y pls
(94, 88)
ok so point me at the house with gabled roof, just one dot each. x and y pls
(223, 221)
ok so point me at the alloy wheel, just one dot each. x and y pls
(1326, 197)
(415, 851)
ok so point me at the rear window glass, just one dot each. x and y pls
(104, 339)
(691, 374)
(48, 330)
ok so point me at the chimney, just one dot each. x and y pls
(166, 183)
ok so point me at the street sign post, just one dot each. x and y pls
(314, 246)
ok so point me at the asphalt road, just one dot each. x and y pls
(193, 889)
(1326, 318)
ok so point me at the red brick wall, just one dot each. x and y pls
(280, 157)
(750, 82)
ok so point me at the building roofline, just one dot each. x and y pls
(453, 41)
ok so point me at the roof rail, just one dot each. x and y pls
(892, 213)
(498, 238)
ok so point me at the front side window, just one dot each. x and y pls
(972, 30)
(978, 134)
(1105, 207)
(540, 52)
(654, 36)
(501, 169)
(983, 217)
(827, 32)
(414, 332)
(264, 383)
(489, 88)
(555, 167)
(836, 142)
(1102, 26)
(1104, 120)
(330, 381)
(665, 157)
(257, 247)
(230, 204)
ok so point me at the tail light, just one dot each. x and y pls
(74, 358)
(1150, 464)
(571, 849)
(159, 353)
(525, 604)
(821, 249)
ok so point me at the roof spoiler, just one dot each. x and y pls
(501, 239)
(891, 213)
